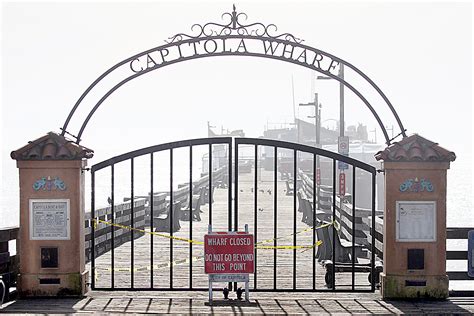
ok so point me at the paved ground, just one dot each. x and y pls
(260, 303)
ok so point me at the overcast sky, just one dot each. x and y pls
(420, 55)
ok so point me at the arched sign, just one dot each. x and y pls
(231, 39)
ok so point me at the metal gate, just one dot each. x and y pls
(152, 240)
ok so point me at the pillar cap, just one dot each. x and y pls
(415, 148)
(52, 146)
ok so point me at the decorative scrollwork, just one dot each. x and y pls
(415, 185)
(48, 184)
(234, 27)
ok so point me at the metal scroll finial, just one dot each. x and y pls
(234, 27)
(234, 17)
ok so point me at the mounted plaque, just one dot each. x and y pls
(416, 221)
(49, 219)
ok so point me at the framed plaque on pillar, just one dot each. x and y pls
(50, 219)
(416, 221)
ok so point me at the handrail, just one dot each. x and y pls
(141, 216)
(456, 233)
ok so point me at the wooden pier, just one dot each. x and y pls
(167, 271)
(294, 267)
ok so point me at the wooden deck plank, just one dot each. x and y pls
(261, 303)
(265, 257)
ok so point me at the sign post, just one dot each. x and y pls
(343, 149)
(229, 257)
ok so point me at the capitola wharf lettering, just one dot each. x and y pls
(235, 45)
(232, 37)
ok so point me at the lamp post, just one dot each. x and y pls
(317, 139)
(314, 103)
(343, 142)
(341, 99)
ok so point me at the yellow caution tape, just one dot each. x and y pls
(202, 243)
(258, 245)
(319, 242)
(149, 232)
(182, 261)
(287, 236)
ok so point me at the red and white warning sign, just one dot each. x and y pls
(342, 184)
(229, 252)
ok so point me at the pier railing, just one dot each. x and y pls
(9, 263)
(103, 231)
(363, 225)
(452, 233)
(378, 234)
(343, 211)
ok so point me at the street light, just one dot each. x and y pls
(317, 117)
(341, 99)
(317, 127)
(342, 139)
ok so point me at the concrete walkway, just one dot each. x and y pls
(260, 303)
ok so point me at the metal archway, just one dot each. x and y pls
(232, 39)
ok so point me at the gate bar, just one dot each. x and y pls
(372, 232)
(182, 289)
(295, 176)
(229, 186)
(93, 224)
(112, 227)
(275, 152)
(314, 220)
(233, 286)
(209, 195)
(191, 216)
(353, 223)
(151, 220)
(334, 232)
(132, 220)
(255, 221)
(170, 217)
(236, 189)
(226, 140)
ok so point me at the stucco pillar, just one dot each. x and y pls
(414, 251)
(52, 256)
